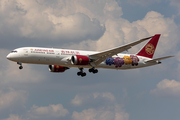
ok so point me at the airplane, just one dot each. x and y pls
(60, 60)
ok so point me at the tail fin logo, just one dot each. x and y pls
(150, 49)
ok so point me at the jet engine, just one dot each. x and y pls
(57, 68)
(80, 60)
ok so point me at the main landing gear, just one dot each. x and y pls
(81, 72)
(20, 67)
(93, 70)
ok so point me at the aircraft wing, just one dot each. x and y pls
(162, 58)
(100, 57)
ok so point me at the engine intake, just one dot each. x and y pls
(80, 60)
(57, 68)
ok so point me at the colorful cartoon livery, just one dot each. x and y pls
(120, 61)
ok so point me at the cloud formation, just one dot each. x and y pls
(12, 98)
(120, 31)
(84, 99)
(167, 88)
(97, 28)
(31, 19)
(110, 110)
(13, 117)
(51, 111)
(111, 113)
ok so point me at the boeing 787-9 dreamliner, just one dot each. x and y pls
(60, 60)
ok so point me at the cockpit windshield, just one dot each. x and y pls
(14, 51)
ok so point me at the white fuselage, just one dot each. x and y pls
(62, 57)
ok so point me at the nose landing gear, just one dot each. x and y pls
(20, 67)
(81, 73)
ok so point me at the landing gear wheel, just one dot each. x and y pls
(93, 70)
(79, 73)
(90, 70)
(83, 74)
(20, 67)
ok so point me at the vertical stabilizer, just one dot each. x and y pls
(149, 49)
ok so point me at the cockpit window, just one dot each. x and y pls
(14, 51)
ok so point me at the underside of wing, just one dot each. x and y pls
(100, 57)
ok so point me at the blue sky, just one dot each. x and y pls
(34, 93)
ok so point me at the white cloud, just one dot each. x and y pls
(112, 10)
(46, 112)
(12, 98)
(100, 9)
(107, 108)
(53, 111)
(110, 113)
(155, 23)
(40, 20)
(14, 117)
(93, 114)
(82, 99)
(120, 31)
(109, 96)
(79, 21)
(73, 20)
(78, 100)
(84, 45)
(167, 88)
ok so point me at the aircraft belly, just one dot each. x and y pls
(114, 67)
(124, 67)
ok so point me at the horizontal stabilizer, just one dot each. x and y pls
(155, 60)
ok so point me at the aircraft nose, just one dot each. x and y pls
(8, 56)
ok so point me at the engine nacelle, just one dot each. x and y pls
(80, 60)
(57, 68)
